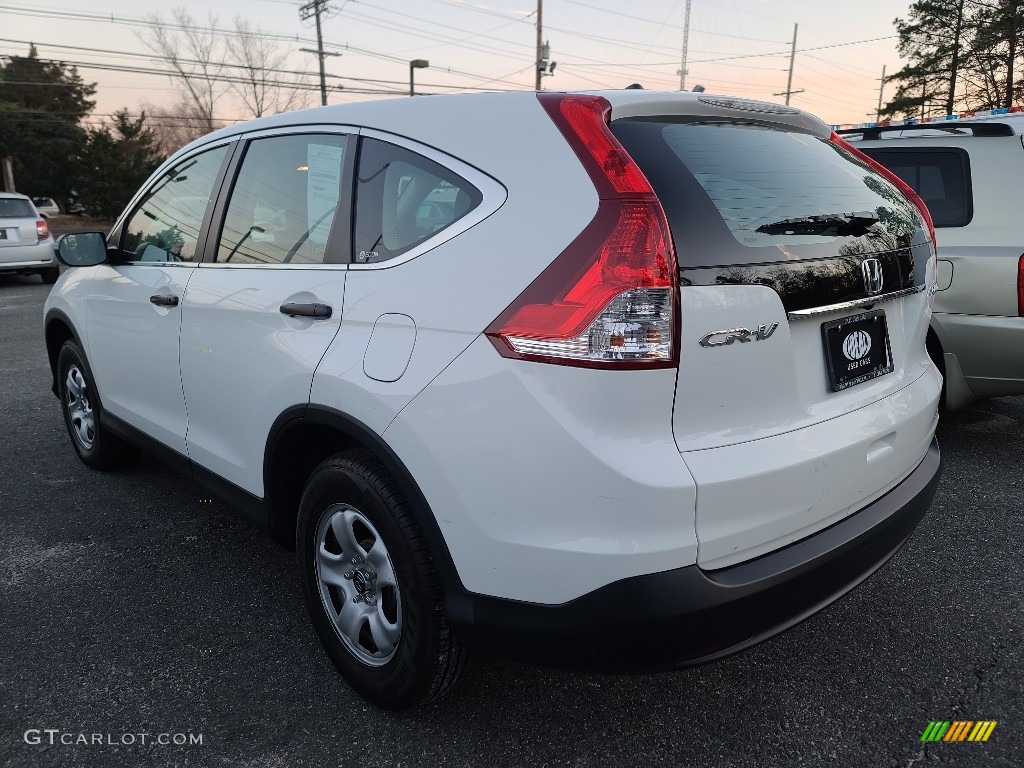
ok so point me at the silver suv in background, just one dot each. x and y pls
(966, 168)
(25, 242)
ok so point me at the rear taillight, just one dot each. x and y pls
(1020, 286)
(42, 229)
(892, 178)
(610, 299)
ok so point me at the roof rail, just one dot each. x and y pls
(943, 122)
(964, 127)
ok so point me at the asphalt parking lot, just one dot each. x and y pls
(131, 605)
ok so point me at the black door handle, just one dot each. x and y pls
(164, 301)
(320, 311)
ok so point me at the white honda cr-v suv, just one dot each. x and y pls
(620, 380)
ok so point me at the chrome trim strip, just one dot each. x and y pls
(272, 265)
(345, 129)
(801, 314)
(35, 263)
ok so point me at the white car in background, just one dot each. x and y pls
(46, 206)
(967, 169)
(622, 380)
(25, 242)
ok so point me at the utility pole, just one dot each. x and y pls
(7, 174)
(544, 64)
(878, 112)
(686, 40)
(540, 44)
(789, 82)
(313, 9)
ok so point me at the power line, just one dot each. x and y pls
(229, 78)
(667, 24)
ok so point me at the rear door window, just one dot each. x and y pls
(942, 177)
(726, 187)
(402, 200)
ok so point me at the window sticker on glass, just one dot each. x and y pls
(322, 190)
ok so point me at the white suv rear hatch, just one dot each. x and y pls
(804, 314)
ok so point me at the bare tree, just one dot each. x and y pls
(176, 125)
(257, 62)
(189, 50)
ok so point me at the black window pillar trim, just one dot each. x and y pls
(214, 218)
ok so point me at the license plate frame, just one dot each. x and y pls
(857, 349)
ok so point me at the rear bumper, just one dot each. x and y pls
(989, 349)
(691, 616)
(21, 257)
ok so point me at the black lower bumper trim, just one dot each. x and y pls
(691, 616)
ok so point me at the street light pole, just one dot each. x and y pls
(413, 66)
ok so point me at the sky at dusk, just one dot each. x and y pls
(735, 47)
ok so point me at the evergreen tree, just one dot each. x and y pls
(116, 161)
(42, 104)
(961, 54)
(931, 40)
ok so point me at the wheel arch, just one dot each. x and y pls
(935, 349)
(58, 329)
(303, 436)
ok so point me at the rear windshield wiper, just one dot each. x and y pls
(856, 223)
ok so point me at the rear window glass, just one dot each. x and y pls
(940, 176)
(16, 208)
(747, 179)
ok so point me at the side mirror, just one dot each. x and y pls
(82, 249)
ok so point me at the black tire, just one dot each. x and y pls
(425, 662)
(95, 446)
(50, 275)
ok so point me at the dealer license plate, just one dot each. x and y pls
(856, 349)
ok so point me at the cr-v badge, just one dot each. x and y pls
(730, 335)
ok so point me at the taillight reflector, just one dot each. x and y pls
(892, 178)
(42, 229)
(610, 299)
(1020, 286)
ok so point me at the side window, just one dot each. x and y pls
(940, 176)
(403, 199)
(284, 200)
(166, 224)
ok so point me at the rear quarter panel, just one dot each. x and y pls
(454, 291)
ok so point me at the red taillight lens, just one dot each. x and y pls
(892, 178)
(42, 229)
(610, 299)
(583, 121)
(1020, 287)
